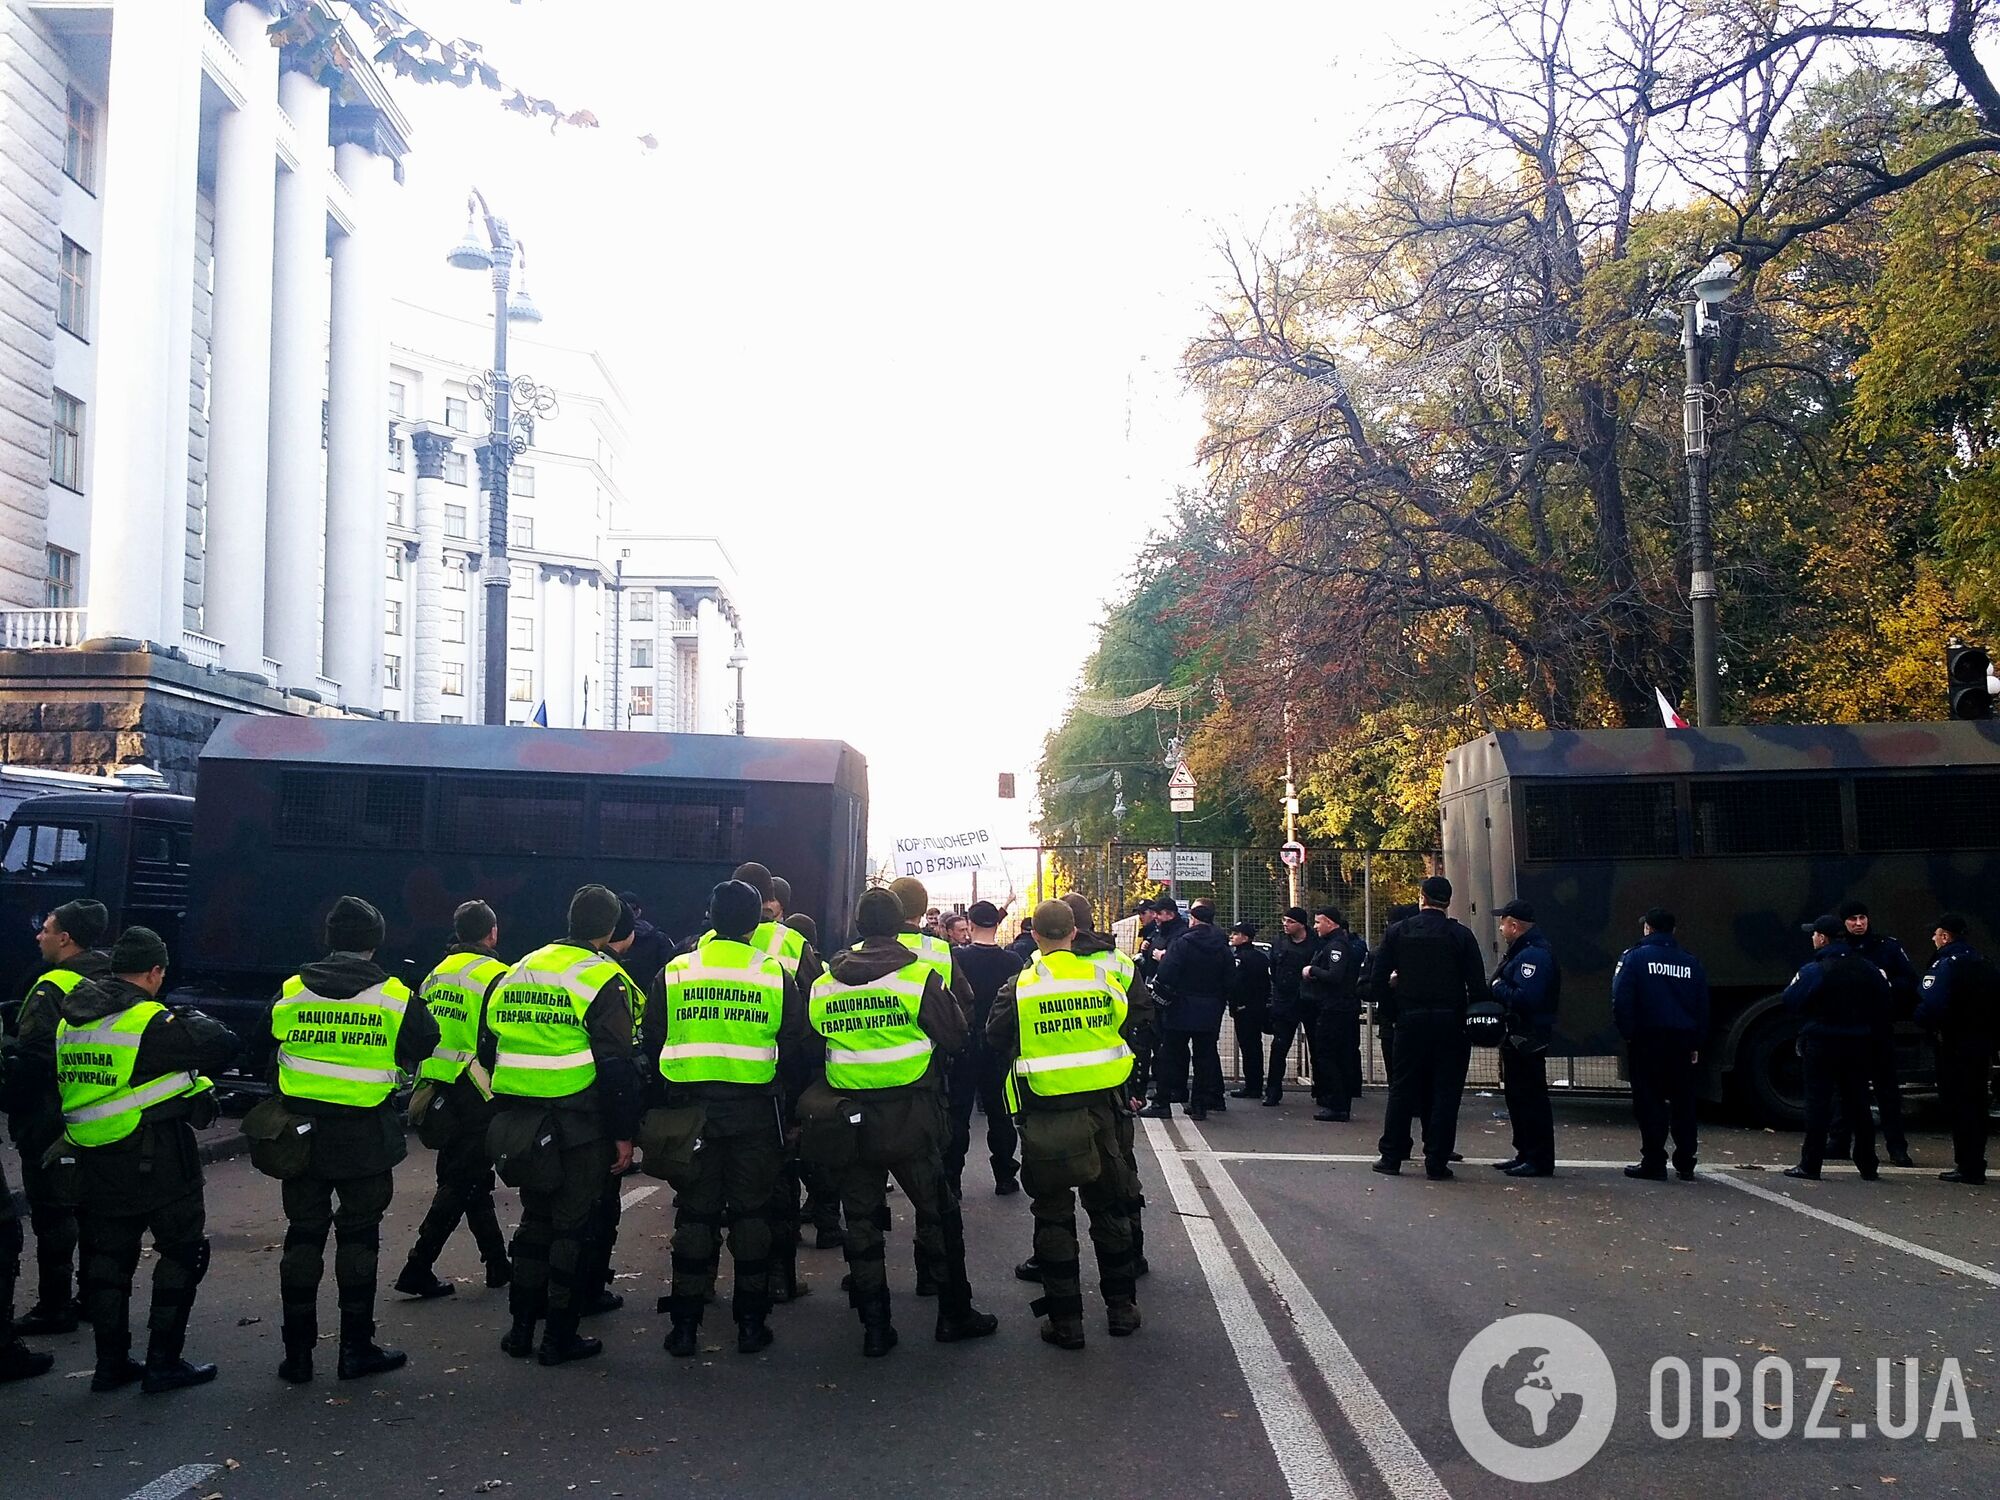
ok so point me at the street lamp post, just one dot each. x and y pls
(1700, 316)
(738, 660)
(498, 390)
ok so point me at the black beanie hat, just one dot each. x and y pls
(627, 921)
(137, 951)
(781, 891)
(353, 926)
(804, 926)
(593, 913)
(473, 922)
(735, 909)
(1436, 890)
(756, 877)
(84, 921)
(878, 913)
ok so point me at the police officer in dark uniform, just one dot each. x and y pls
(1439, 974)
(1528, 983)
(1890, 957)
(132, 1134)
(68, 939)
(1249, 1006)
(1291, 951)
(1332, 987)
(1840, 998)
(1659, 1002)
(1960, 1001)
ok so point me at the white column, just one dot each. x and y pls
(429, 442)
(357, 436)
(293, 524)
(559, 649)
(145, 321)
(239, 400)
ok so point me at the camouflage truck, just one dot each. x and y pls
(290, 814)
(1745, 834)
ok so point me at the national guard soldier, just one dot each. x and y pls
(1840, 998)
(1893, 961)
(1065, 1027)
(68, 939)
(1659, 1003)
(131, 1073)
(558, 1040)
(345, 1031)
(455, 994)
(1960, 1001)
(725, 1012)
(594, 1294)
(887, 1019)
(1439, 975)
(1528, 983)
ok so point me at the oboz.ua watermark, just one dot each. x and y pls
(1533, 1398)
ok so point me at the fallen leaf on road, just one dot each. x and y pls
(636, 1452)
(246, 1322)
(230, 1463)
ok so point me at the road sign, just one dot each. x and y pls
(1293, 854)
(1182, 779)
(1180, 804)
(1195, 864)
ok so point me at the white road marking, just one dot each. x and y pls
(175, 1482)
(1921, 1252)
(1310, 1469)
(637, 1195)
(1402, 1467)
(1339, 1158)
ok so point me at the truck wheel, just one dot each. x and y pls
(1769, 1077)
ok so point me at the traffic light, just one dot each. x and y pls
(1965, 670)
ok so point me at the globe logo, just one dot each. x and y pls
(1533, 1398)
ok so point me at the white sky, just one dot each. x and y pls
(877, 302)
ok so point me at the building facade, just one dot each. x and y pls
(220, 436)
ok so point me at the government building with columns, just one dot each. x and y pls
(228, 455)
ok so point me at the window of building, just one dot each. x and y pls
(394, 508)
(642, 703)
(455, 413)
(66, 444)
(62, 579)
(642, 653)
(399, 396)
(522, 634)
(392, 670)
(523, 480)
(454, 678)
(395, 560)
(73, 288)
(454, 467)
(454, 573)
(80, 143)
(642, 604)
(455, 527)
(392, 714)
(521, 685)
(524, 532)
(393, 623)
(454, 626)
(398, 464)
(451, 718)
(521, 580)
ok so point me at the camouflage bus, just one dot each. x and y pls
(1745, 834)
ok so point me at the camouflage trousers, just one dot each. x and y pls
(940, 1231)
(111, 1244)
(357, 1245)
(1108, 1199)
(464, 1190)
(737, 1182)
(552, 1240)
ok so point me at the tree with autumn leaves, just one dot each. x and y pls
(1446, 490)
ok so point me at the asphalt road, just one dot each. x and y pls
(1304, 1319)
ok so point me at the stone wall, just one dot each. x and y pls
(95, 711)
(32, 115)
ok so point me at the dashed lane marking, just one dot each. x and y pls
(1311, 1472)
(1340, 1158)
(1922, 1252)
(1403, 1468)
(175, 1482)
(636, 1195)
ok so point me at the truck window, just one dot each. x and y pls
(509, 815)
(670, 823)
(1768, 815)
(1599, 820)
(1941, 809)
(45, 849)
(350, 809)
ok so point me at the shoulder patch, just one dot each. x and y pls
(1527, 971)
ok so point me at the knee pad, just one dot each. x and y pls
(366, 1237)
(190, 1255)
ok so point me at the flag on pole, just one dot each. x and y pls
(1669, 715)
(541, 718)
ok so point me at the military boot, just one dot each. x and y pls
(300, 1336)
(753, 1334)
(878, 1336)
(519, 1340)
(19, 1362)
(166, 1370)
(562, 1344)
(45, 1318)
(1121, 1318)
(1064, 1330)
(684, 1338)
(423, 1283)
(359, 1353)
(116, 1368)
(956, 1325)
